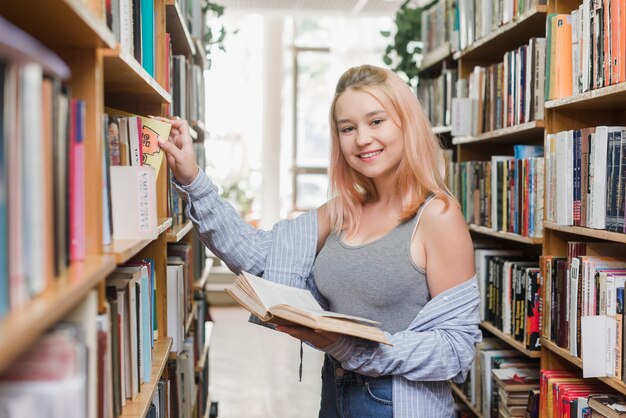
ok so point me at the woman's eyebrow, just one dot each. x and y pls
(369, 114)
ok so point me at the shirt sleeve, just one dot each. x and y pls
(440, 345)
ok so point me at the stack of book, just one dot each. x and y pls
(513, 388)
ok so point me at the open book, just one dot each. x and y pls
(284, 305)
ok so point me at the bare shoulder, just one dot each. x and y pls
(447, 244)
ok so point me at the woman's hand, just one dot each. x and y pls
(179, 151)
(320, 339)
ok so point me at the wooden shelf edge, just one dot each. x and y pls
(505, 235)
(23, 325)
(561, 352)
(135, 67)
(164, 225)
(208, 331)
(436, 56)
(616, 237)
(503, 133)
(508, 27)
(177, 20)
(464, 399)
(125, 249)
(441, 129)
(604, 92)
(509, 340)
(98, 26)
(179, 231)
(138, 407)
(200, 284)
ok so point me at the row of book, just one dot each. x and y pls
(504, 94)
(585, 48)
(585, 177)
(504, 194)
(436, 96)
(440, 26)
(510, 293)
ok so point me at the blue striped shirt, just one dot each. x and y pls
(438, 345)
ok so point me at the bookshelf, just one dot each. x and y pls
(104, 74)
(461, 396)
(525, 132)
(509, 340)
(506, 236)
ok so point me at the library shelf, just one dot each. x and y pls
(192, 315)
(610, 98)
(509, 135)
(123, 74)
(178, 231)
(441, 129)
(200, 284)
(60, 23)
(578, 362)
(459, 393)
(436, 57)
(182, 44)
(23, 325)
(505, 235)
(164, 225)
(616, 237)
(509, 340)
(138, 407)
(125, 249)
(509, 36)
(208, 331)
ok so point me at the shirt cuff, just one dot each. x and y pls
(199, 187)
(342, 349)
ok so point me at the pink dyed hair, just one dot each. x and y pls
(422, 169)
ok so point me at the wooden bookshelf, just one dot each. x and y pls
(123, 74)
(125, 249)
(610, 98)
(507, 37)
(587, 232)
(510, 135)
(60, 23)
(138, 407)
(200, 284)
(459, 394)
(505, 235)
(182, 44)
(178, 231)
(22, 326)
(437, 130)
(509, 340)
(164, 225)
(208, 332)
(434, 59)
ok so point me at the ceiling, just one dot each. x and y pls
(325, 7)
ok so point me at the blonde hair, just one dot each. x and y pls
(421, 170)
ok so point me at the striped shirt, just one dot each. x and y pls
(438, 346)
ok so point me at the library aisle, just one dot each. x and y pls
(254, 371)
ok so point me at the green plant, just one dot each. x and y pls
(240, 195)
(216, 32)
(405, 45)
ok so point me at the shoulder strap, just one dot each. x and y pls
(420, 210)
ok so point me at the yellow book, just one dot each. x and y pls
(151, 130)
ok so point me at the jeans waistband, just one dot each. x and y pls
(346, 376)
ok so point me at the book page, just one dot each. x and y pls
(328, 314)
(271, 294)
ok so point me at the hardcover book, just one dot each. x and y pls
(283, 305)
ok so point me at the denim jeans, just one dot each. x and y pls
(347, 394)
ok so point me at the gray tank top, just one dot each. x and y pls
(377, 280)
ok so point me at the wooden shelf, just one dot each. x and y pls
(138, 407)
(22, 326)
(610, 98)
(441, 129)
(200, 284)
(505, 235)
(182, 43)
(192, 315)
(435, 59)
(60, 23)
(587, 232)
(512, 134)
(492, 47)
(124, 76)
(164, 225)
(177, 232)
(208, 331)
(125, 249)
(459, 393)
(510, 340)
(200, 56)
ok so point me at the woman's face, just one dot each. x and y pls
(370, 141)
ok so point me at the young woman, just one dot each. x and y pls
(391, 245)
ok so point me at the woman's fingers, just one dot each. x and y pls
(171, 150)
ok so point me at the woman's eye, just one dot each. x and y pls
(347, 129)
(377, 122)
